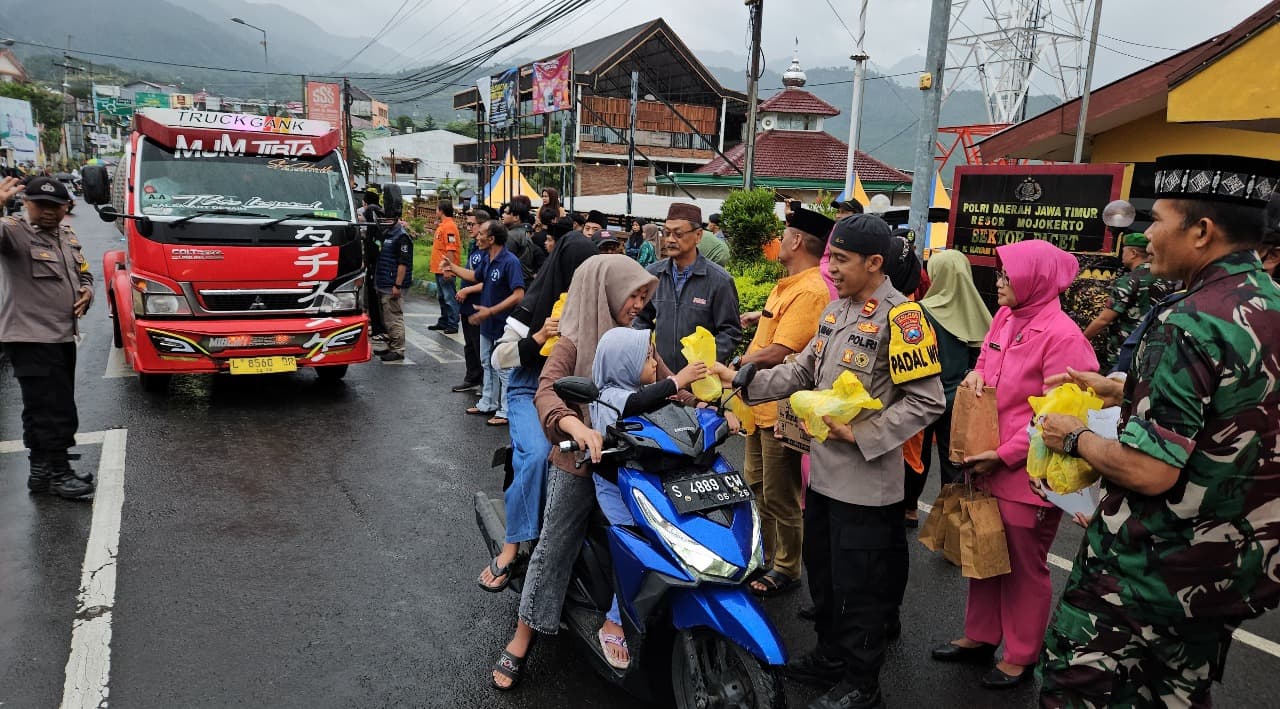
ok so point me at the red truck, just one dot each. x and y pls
(241, 255)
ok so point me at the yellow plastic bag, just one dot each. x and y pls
(556, 310)
(845, 399)
(1062, 473)
(744, 413)
(701, 347)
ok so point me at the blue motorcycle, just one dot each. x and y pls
(697, 637)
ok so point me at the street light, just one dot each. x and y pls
(266, 64)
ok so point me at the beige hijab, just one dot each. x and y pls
(600, 287)
(953, 300)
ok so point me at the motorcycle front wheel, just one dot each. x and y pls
(709, 671)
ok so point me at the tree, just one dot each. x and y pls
(463, 127)
(429, 123)
(360, 163)
(403, 123)
(750, 223)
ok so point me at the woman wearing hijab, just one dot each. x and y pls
(648, 247)
(528, 327)
(1030, 339)
(960, 320)
(608, 291)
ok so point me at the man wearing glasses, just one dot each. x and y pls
(692, 291)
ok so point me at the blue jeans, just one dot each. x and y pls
(447, 294)
(529, 450)
(494, 396)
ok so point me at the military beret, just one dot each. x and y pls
(1135, 239)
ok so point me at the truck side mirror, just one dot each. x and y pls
(96, 183)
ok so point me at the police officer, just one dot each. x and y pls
(45, 285)
(855, 547)
(1178, 554)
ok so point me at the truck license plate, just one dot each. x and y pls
(264, 365)
(701, 492)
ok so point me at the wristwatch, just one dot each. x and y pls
(1071, 441)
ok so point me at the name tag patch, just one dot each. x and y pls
(699, 301)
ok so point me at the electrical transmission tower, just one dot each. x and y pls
(1008, 48)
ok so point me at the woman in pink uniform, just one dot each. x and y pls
(1030, 339)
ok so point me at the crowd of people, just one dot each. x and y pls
(1177, 555)
(1191, 360)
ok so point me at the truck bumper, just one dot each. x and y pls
(199, 346)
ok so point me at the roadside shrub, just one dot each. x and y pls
(749, 221)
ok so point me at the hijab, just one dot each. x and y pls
(619, 362)
(953, 300)
(571, 250)
(600, 287)
(1038, 273)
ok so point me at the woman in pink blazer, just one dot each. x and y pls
(1030, 339)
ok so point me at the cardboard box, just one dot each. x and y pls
(789, 430)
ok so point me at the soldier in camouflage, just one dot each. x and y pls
(1132, 295)
(1180, 552)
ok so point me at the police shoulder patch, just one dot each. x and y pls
(913, 348)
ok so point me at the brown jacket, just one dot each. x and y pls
(41, 274)
(552, 409)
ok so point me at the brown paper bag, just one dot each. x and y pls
(951, 520)
(984, 551)
(975, 427)
(933, 532)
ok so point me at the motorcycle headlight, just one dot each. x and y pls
(699, 561)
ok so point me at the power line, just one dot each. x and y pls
(377, 35)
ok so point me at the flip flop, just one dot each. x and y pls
(503, 572)
(477, 411)
(776, 583)
(508, 666)
(497, 421)
(618, 641)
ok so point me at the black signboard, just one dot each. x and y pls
(994, 205)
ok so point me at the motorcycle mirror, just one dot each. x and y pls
(576, 390)
(744, 375)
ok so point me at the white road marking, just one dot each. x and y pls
(82, 439)
(117, 365)
(88, 670)
(456, 337)
(1255, 641)
(433, 350)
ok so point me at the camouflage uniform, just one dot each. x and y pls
(1161, 581)
(1131, 296)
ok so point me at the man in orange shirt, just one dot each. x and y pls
(786, 325)
(447, 243)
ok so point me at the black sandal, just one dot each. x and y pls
(508, 666)
(776, 583)
(498, 571)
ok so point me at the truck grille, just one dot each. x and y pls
(250, 301)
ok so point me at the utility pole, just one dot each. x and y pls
(631, 139)
(1088, 81)
(859, 58)
(346, 116)
(931, 86)
(753, 92)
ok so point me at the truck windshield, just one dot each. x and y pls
(272, 185)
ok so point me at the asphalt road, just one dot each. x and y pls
(285, 543)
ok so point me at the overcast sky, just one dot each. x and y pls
(896, 29)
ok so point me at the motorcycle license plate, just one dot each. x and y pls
(264, 365)
(702, 492)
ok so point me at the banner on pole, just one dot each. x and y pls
(17, 130)
(502, 96)
(551, 82)
(143, 99)
(324, 102)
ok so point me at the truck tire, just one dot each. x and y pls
(333, 373)
(155, 383)
(117, 338)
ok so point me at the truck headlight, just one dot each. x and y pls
(345, 297)
(701, 562)
(155, 298)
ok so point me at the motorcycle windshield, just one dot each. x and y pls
(179, 183)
